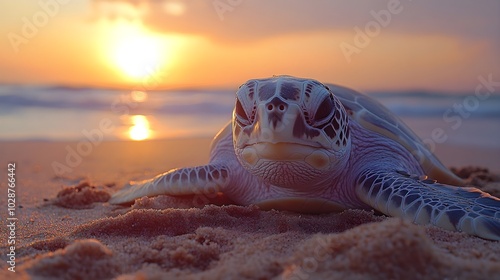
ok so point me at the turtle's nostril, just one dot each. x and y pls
(276, 104)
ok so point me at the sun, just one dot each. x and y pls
(138, 57)
(137, 53)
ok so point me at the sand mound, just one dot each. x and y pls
(234, 242)
(83, 259)
(81, 196)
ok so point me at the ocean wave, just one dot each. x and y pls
(213, 102)
(59, 112)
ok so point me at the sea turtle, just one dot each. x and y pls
(296, 144)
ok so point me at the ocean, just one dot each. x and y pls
(57, 113)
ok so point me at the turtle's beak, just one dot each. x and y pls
(276, 136)
(289, 152)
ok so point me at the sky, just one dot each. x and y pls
(154, 44)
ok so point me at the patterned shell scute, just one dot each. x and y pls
(375, 117)
(368, 111)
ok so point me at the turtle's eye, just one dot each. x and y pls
(324, 112)
(241, 114)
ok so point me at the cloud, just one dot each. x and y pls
(244, 20)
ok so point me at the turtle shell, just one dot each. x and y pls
(374, 116)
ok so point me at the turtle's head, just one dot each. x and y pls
(290, 132)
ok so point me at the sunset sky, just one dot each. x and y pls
(368, 45)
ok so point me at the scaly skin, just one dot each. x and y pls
(245, 189)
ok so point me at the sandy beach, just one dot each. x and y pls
(95, 94)
(65, 229)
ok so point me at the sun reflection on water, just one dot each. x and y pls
(140, 129)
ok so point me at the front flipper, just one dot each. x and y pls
(427, 202)
(205, 180)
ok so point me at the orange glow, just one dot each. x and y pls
(150, 45)
(136, 53)
(174, 8)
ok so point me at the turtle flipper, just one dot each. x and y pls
(428, 202)
(184, 181)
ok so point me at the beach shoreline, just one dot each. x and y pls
(65, 227)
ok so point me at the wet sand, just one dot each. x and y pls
(65, 229)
